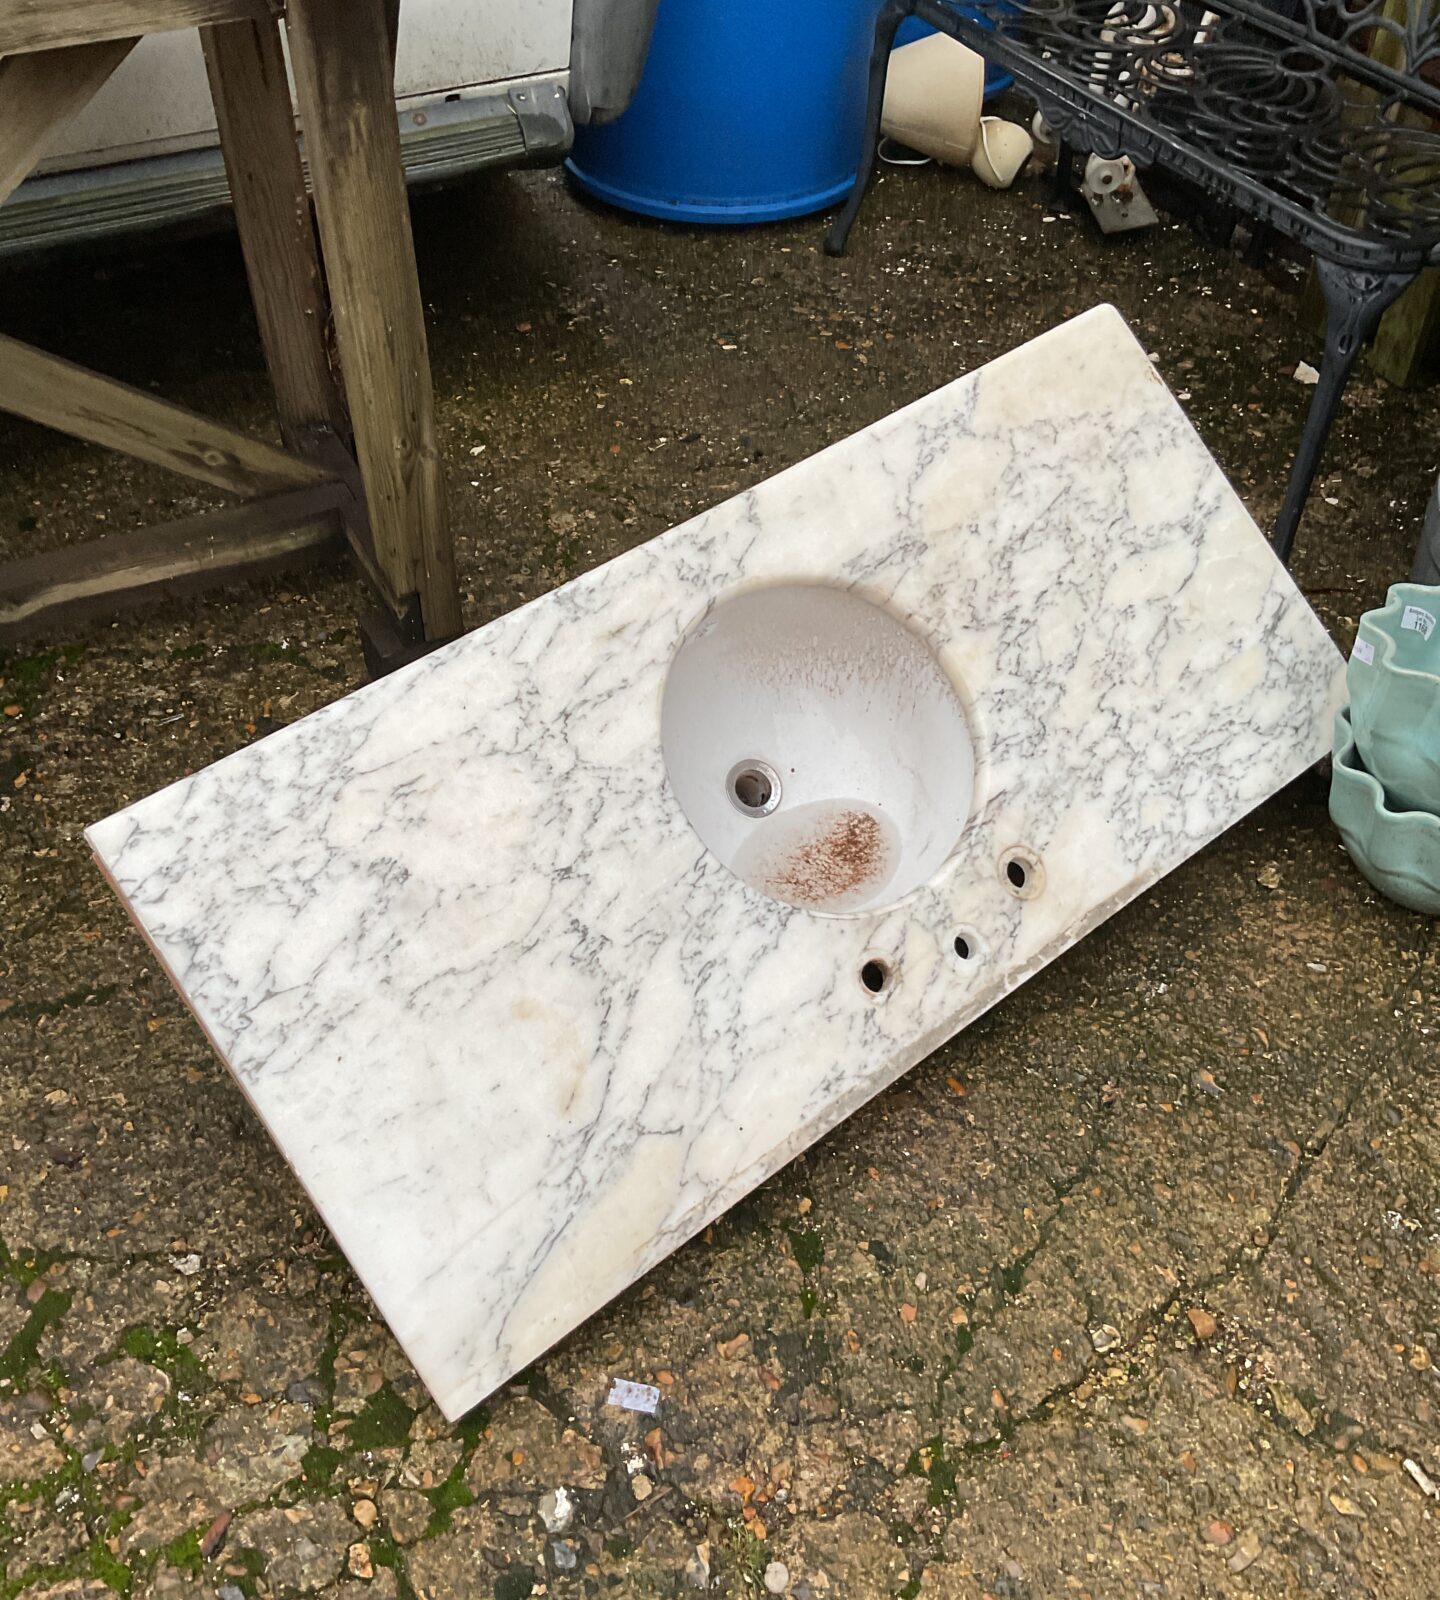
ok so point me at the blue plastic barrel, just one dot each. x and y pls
(747, 111)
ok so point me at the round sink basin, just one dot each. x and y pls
(817, 747)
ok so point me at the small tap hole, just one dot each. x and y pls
(962, 947)
(1022, 872)
(875, 975)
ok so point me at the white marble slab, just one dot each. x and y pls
(520, 1035)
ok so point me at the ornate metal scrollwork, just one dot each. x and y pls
(1287, 115)
(1318, 119)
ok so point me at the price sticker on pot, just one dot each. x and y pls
(1363, 651)
(1418, 621)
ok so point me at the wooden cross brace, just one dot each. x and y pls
(360, 459)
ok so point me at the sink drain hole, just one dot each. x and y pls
(754, 788)
(875, 975)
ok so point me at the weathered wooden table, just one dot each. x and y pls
(340, 319)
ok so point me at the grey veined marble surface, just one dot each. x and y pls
(520, 1034)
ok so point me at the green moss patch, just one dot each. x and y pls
(19, 1355)
(385, 1420)
(161, 1348)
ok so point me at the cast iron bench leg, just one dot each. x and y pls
(1355, 299)
(887, 24)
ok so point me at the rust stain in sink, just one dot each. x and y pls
(847, 852)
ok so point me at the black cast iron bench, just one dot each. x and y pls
(1317, 118)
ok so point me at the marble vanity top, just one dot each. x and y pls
(515, 1028)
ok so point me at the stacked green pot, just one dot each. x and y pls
(1385, 790)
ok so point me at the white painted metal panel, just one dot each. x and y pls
(159, 102)
(451, 44)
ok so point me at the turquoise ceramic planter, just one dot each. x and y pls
(1394, 680)
(1398, 851)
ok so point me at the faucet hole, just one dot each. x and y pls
(1022, 873)
(963, 947)
(754, 788)
(875, 975)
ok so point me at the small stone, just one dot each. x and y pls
(641, 1487)
(777, 1578)
(908, 1312)
(1204, 1325)
(229, 1591)
(1246, 1553)
(1344, 1505)
(358, 1561)
(1268, 876)
(1290, 1407)
(364, 1513)
(564, 1555)
(214, 1535)
(1105, 1338)
(1137, 1427)
(1217, 1531)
